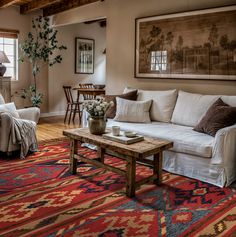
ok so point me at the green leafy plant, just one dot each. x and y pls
(40, 49)
(36, 98)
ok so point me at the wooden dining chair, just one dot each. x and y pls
(73, 106)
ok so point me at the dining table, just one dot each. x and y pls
(90, 91)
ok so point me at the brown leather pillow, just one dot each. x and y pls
(218, 116)
(111, 112)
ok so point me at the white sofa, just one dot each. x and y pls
(196, 155)
(6, 144)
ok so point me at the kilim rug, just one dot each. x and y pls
(39, 197)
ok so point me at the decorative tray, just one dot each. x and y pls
(122, 138)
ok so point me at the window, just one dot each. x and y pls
(9, 44)
(158, 60)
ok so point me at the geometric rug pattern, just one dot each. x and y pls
(39, 197)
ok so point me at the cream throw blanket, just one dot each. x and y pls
(23, 133)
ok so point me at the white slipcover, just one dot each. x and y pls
(196, 155)
(6, 123)
(185, 139)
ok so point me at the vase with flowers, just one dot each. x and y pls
(97, 115)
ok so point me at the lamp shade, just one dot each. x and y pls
(3, 57)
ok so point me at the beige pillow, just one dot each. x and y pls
(111, 112)
(191, 107)
(163, 103)
(9, 108)
(133, 111)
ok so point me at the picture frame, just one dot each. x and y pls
(84, 55)
(188, 45)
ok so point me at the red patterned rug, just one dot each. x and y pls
(39, 197)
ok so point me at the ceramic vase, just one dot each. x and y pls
(97, 125)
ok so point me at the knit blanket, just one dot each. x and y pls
(23, 133)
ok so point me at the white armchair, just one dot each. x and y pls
(6, 121)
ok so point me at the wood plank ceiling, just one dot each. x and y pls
(49, 7)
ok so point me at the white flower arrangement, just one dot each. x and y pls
(97, 108)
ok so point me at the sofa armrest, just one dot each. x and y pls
(5, 130)
(224, 148)
(32, 113)
(224, 151)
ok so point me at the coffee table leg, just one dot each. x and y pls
(101, 153)
(73, 161)
(157, 168)
(131, 173)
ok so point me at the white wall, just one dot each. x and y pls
(120, 41)
(118, 38)
(10, 18)
(50, 80)
(63, 74)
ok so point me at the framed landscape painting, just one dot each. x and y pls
(84, 56)
(190, 45)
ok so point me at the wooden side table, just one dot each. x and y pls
(130, 153)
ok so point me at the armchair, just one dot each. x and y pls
(6, 121)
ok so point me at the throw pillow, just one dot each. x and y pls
(9, 108)
(111, 112)
(190, 108)
(2, 101)
(133, 111)
(163, 103)
(218, 116)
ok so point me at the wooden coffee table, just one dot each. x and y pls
(131, 153)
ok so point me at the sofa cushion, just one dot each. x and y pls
(9, 108)
(185, 139)
(229, 99)
(190, 108)
(2, 101)
(111, 112)
(163, 103)
(133, 111)
(218, 116)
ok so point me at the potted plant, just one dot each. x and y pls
(40, 49)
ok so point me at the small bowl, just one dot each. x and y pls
(130, 134)
(99, 86)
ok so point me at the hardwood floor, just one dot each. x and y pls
(52, 127)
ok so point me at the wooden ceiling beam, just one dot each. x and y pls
(7, 3)
(66, 5)
(35, 5)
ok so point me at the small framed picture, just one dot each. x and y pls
(84, 56)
